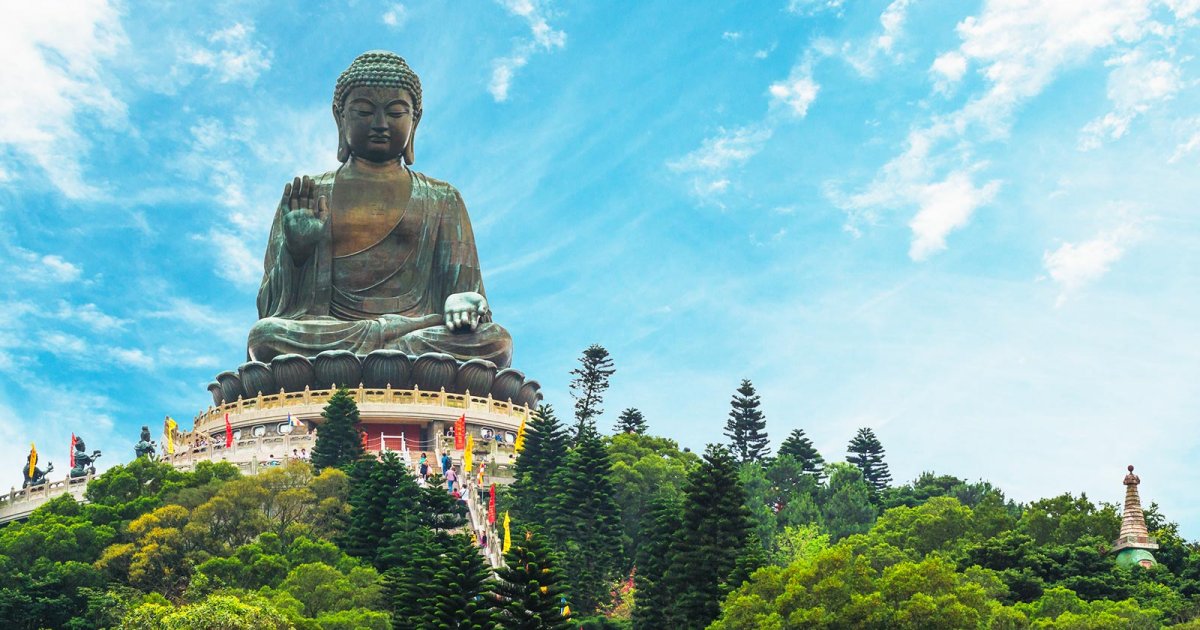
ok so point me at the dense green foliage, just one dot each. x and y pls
(587, 527)
(628, 531)
(746, 426)
(544, 455)
(339, 440)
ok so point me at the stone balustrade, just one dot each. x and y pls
(18, 504)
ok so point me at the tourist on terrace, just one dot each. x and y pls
(451, 477)
(445, 463)
(423, 466)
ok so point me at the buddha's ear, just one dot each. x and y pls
(343, 151)
(410, 155)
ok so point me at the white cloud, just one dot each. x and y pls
(1135, 85)
(710, 163)
(51, 81)
(728, 148)
(810, 7)
(59, 269)
(1019, 47)
(60, 343)
(232, 55)
(542, 38)
(1075, 265)
(731, 36)
(188, 315)
(947, 70)
(396, 15)
(91, 316)
(944, 207)
(865, 59)
(235, 261)
(131, 357)
(797, 93)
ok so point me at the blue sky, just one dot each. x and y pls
(971, 226)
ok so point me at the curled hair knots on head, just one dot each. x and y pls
(378, 68)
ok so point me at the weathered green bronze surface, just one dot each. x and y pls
(84, 463)
(145, 446)
(374, 255)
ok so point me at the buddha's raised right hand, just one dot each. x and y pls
(304, 217)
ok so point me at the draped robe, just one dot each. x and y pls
(389, 295)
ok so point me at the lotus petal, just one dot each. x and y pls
(433, 370)
(475, 376)
(382, 368)
(529, 395)
(293, 372)
(257, 377)
(341, 368)
(231, 386)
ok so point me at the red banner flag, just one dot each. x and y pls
(460, 433)
(228, 432)
(72, 450)
(492, 505)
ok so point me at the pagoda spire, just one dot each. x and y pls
(1134, 544)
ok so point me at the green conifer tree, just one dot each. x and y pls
(461, 591)
(544, 454)
(631, 421)
(655, 596)
(799, 446)
(746, 427)
(530, 589)
(714, 540)
(587, 528)
(589, 384)
(415, 558)
(847, 507)
(384, 499)
(866, 452)
(339, 440)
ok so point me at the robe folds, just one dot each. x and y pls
(389, 295)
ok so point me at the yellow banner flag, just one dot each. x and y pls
(169, 429)
(468, 454)
(507, 535)
(519, 443)
(32, 459)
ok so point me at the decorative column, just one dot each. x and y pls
(1134, 544)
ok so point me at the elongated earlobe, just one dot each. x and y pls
(343, 150)
(410, 154)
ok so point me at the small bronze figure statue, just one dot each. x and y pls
(84, 463)
(146, 447)
(38, 477)
(374, 255)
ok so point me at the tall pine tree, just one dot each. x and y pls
(529, 587)
(746, 427)
(339, 440)
(544, 455)
(716, 538)
(631, 421)
(587, 529)
(800, 447)
(461, 591)
(866, 452)
(654, 593)
(589, 384)
(384, 499)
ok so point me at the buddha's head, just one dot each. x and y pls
(377, 105)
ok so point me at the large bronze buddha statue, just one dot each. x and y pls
(374, 255)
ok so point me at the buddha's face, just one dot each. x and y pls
(377, 122)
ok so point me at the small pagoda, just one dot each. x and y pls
(1134, 544)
